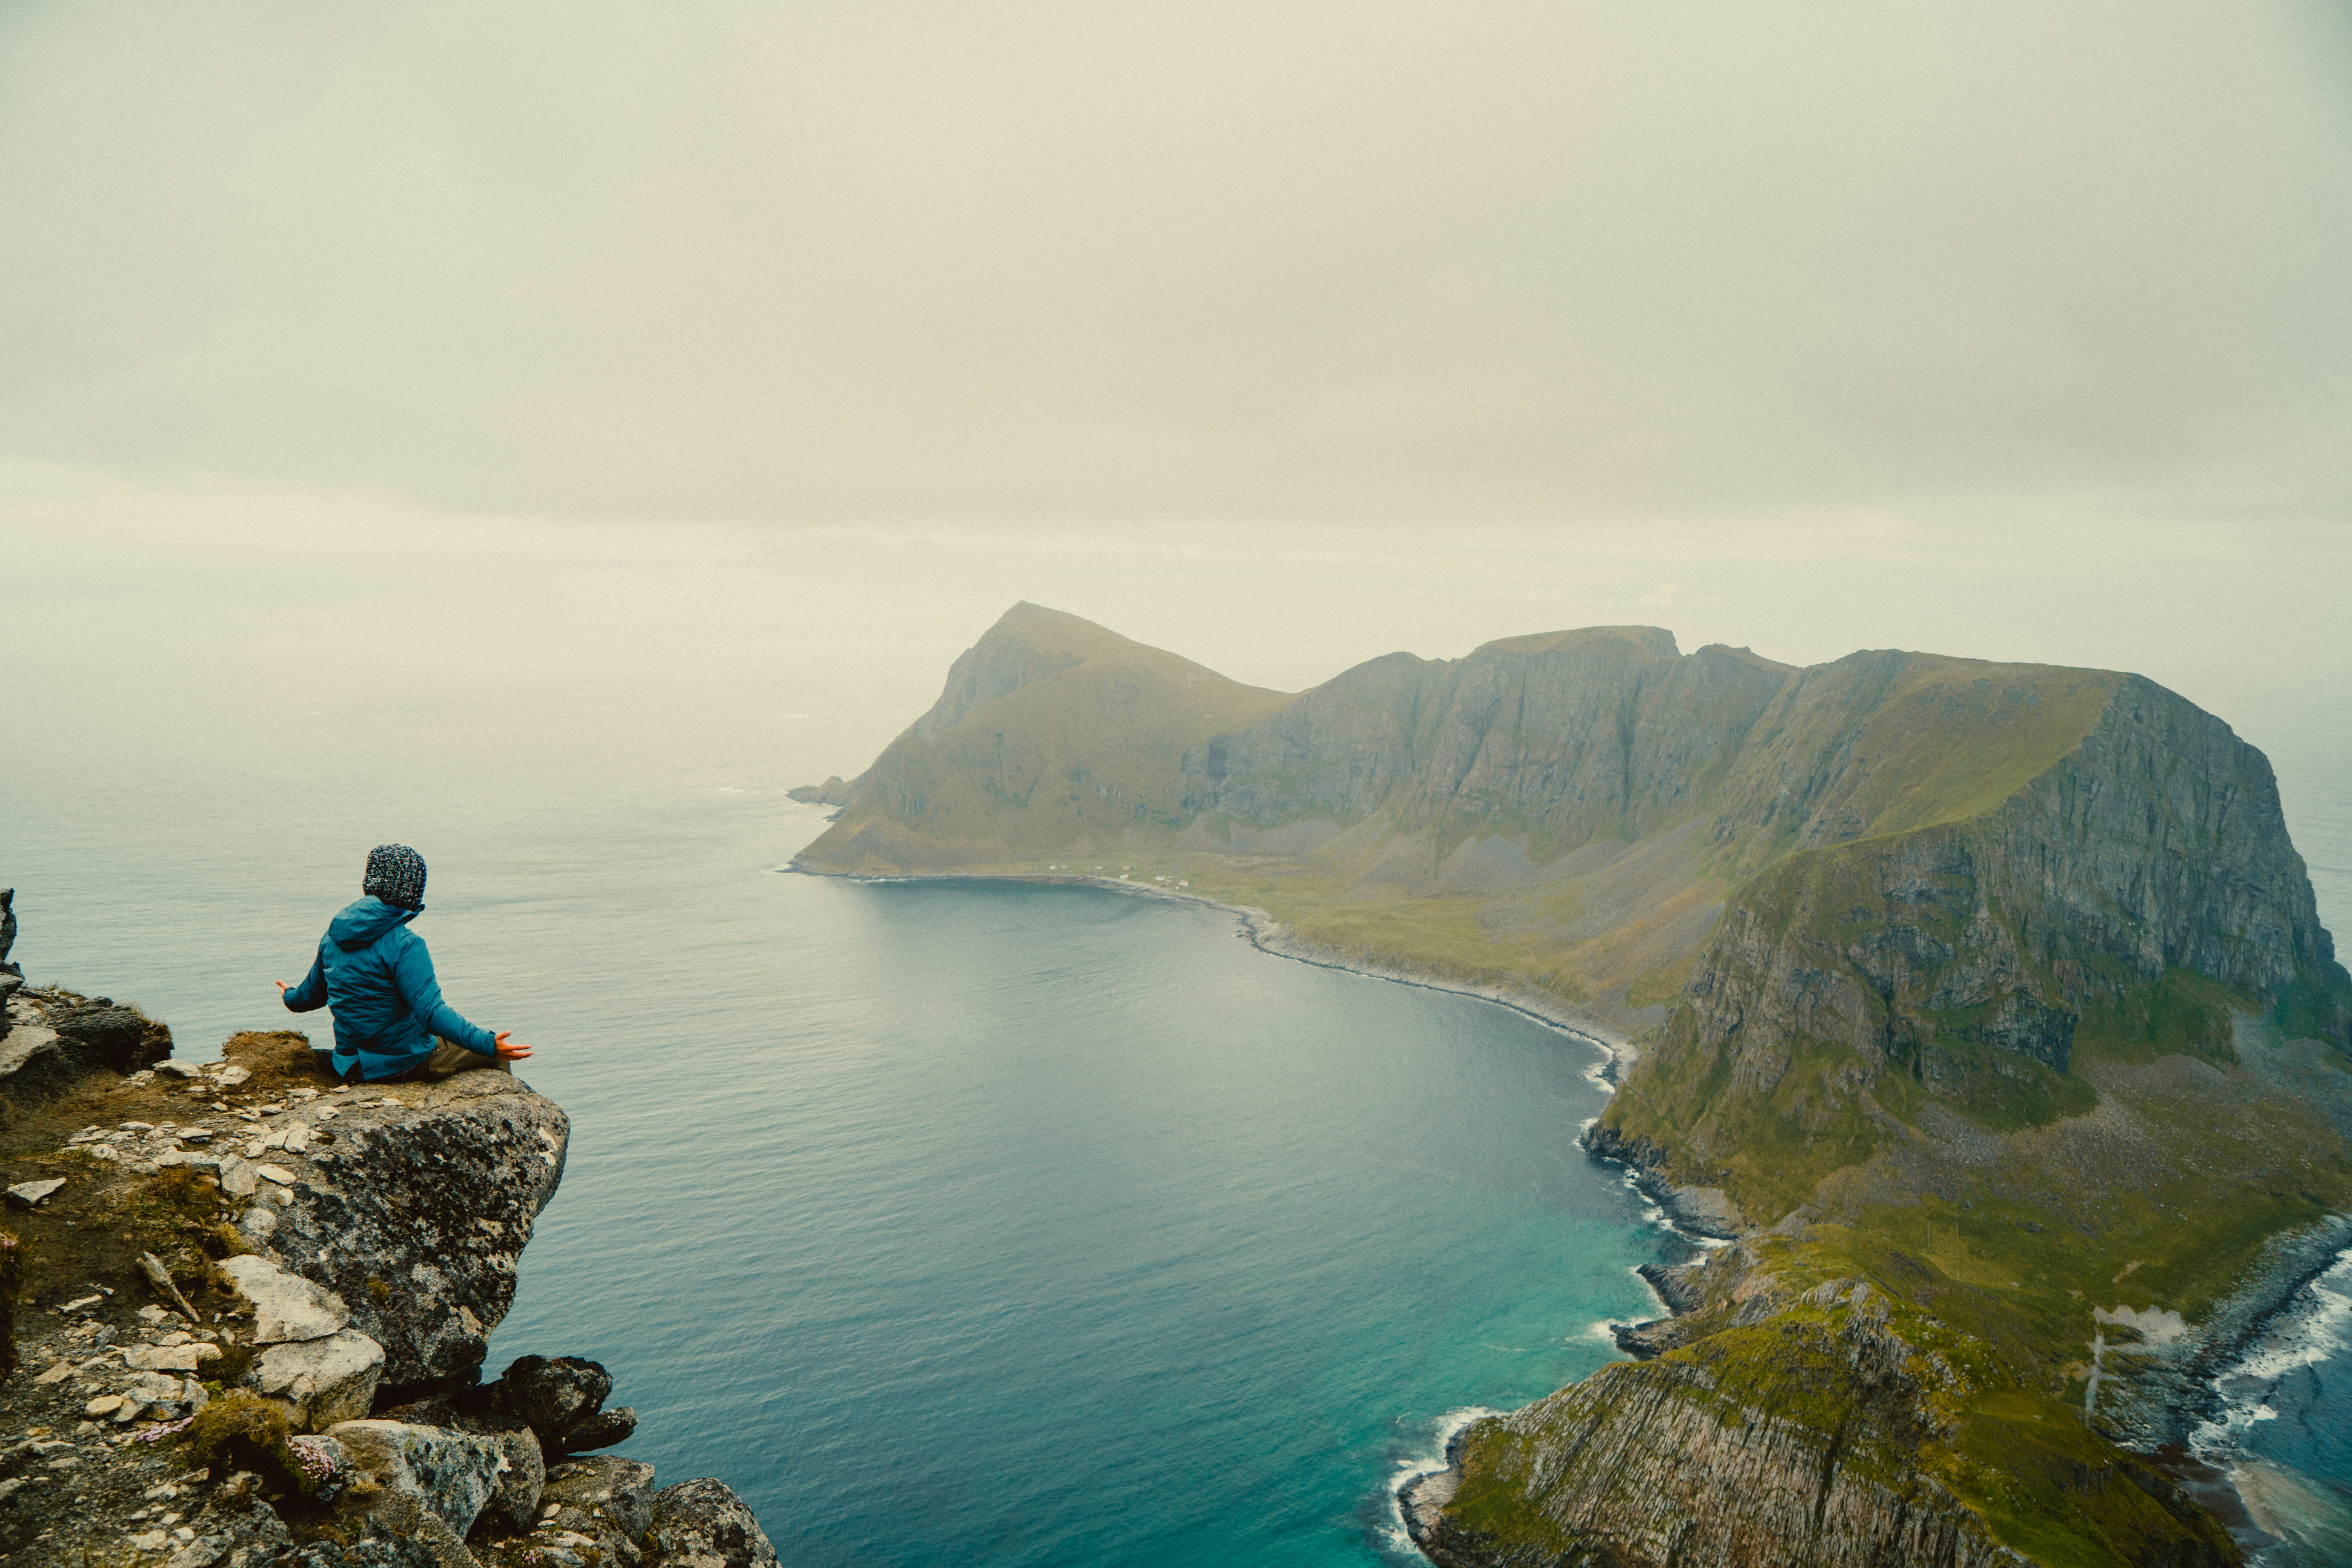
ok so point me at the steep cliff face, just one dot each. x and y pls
(1567, 738)
(1958, 962)
(2050, 1027)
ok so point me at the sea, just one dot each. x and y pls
(960, 1222)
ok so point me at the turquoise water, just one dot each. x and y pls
(948, 1223)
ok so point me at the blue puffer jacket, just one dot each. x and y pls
(388, 1005)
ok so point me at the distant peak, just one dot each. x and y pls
(1049, 628)
(1654, 641)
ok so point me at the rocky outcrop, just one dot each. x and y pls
(417, 1212)
(833, 792)
(52, 1040)
(288, 1378)
(701, 1524)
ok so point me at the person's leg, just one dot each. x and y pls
(448, 1057)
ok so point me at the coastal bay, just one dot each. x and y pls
(1023, 1224)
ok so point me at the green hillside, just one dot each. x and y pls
(1053, 734)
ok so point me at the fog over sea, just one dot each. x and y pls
(950, 1223)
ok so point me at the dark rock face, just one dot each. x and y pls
(703, 1524)
(52, 1040)
(602, 1430)
(554, 1394)
(562, 1400)
(110, 1037)
(417, 1224)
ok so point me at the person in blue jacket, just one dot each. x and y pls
(390, 1019)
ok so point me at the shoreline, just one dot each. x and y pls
(1271, 937)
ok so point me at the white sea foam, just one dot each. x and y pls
(2314, 1326)
(1425, 1462)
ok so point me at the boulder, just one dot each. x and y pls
(450, 1474)
(117, 1037)
(703, 1524)
(287, 1309)
(607, 1495)
(322, 1382)
(561, 1399)
(515, 1505)
(416, 1214)
(554, 1392)
(602, 1430)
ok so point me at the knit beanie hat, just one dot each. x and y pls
(395, 873)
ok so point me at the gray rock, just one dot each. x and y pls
(202, 1552)
(287, 1309)
(417, 1220)
(25, 1195)
(321, 1382)
(556, 1396)
(116, 1038)
(380, 1551)
(451, 1475)
(602, 1430)
(515, 1505)
(607, 1491)
(238, 1178)
(257, 1224)
(237, 1518)
(703, 1524)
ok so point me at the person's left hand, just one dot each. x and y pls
(283, 989)
(508, 1052)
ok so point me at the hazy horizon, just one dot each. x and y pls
(752, 361)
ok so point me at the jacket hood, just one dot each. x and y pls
(364, 921)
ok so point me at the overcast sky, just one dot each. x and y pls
(601, 338)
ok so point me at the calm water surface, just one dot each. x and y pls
(948, 1223)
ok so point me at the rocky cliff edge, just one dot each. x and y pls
(246, 1310)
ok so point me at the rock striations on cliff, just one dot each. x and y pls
(254, 1304)
(1983, 1007)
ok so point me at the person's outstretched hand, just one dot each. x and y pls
(508, 1052)
(283, 989)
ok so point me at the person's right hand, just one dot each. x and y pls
(508, 1052)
